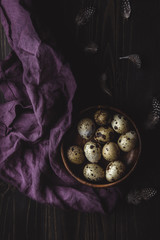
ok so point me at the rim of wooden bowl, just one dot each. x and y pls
(105, 185)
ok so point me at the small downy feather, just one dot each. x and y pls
(103, 84)
(134, 58)
(153, 117)
(156, 107)
(136, 196)
(148, 192)
(151, 121)
(91, 48)
(125, 9)
(84, 15)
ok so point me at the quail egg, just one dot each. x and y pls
(111, 151)
(120, 124)
(127, 141)
(75, 154)
(93, 172)
(86, 128)
(104, 134)
(102, 117)
(114, 171)
(93, 151)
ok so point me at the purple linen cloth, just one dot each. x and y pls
(38, 88)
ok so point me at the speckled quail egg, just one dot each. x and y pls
(127, 141)
(120, 124)
(86, 128)
(102, 117)
(114, 171)
(111, 151)
(93, 151)
(75, 154)
(93, 172)
(104, 134)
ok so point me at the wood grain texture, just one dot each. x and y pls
(23, 218)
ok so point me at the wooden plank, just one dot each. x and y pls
(23, 218)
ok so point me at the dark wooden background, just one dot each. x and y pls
(132, 89)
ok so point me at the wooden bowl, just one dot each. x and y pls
(73, 138)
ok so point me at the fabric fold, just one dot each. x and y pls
(38, 87)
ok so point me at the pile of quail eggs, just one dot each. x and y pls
(106, 136)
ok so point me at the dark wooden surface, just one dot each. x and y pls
(23, 218)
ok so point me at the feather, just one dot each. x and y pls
(91, 48)
(125, 9)
(136, 196)
(153, 117)
(148, 192)
(151, 121)
(84, 15)
(156, 107)
(134, 58)
(103, 84)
